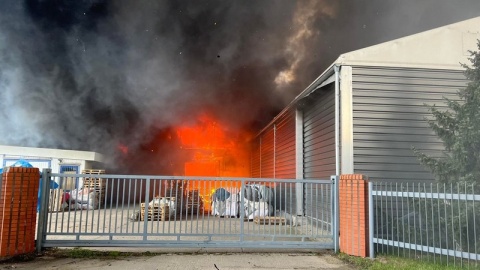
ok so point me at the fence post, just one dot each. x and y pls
(42, 214)
(370, 220)
(147, 205)
(18, 203)
(335, 212)
(242, 211)
(353, 211)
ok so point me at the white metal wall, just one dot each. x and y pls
(42, 162)
(37, 162)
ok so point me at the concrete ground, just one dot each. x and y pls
(202, 260)
(98, 225)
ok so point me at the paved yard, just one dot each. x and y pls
(111, 224)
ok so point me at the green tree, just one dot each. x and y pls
(459, 129)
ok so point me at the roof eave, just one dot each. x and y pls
(311, 88)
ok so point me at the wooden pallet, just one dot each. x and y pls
(94, 182)
(194, 202)
(155, 212)
(93, 171)
(269, 220)
(97, 183)
(55, 200)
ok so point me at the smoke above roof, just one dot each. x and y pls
(89, 75)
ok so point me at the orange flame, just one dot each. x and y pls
(215, 151)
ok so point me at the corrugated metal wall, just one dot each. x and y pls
(255, 158)
(267, 153)
(273, 151)
(319, 134)
(285, 146)
(273, 156)
(389, 118)
(319, 150)
(285, 161)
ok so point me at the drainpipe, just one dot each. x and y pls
(337, 119)
(336, 212)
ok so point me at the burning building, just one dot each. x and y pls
(366, 111)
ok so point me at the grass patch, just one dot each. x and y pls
(393, 262)
(92, 254)
(81, 253)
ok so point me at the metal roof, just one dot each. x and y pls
(440, 48)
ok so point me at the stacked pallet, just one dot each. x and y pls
(194, 202)
(99, 184)
(155, 212)
(269, 220)
(173, 188)
(56, 200)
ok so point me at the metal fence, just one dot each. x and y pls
(437, 222)
(162, 211)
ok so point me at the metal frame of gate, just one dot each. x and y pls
(114, 219)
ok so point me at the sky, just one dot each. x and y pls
(95, 74)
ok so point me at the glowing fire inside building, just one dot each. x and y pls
(212, 151)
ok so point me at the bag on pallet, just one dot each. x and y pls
(225, 202)
(84, 198)
(257, 209)
(258, 193)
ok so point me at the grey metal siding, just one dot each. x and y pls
(319, 150)
(319, 135)
(285, 146)
(389, 119)
(285, 162)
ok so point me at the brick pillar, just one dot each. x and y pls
(18, 210)
(353, 207)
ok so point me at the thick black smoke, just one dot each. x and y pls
(91, 75)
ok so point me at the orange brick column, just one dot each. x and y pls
(18, 207)
(353, 208)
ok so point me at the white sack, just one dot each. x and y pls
(257, 209)
(85, 198)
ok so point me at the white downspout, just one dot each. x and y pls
(337, 120)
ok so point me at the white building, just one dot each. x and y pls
(60, 161)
